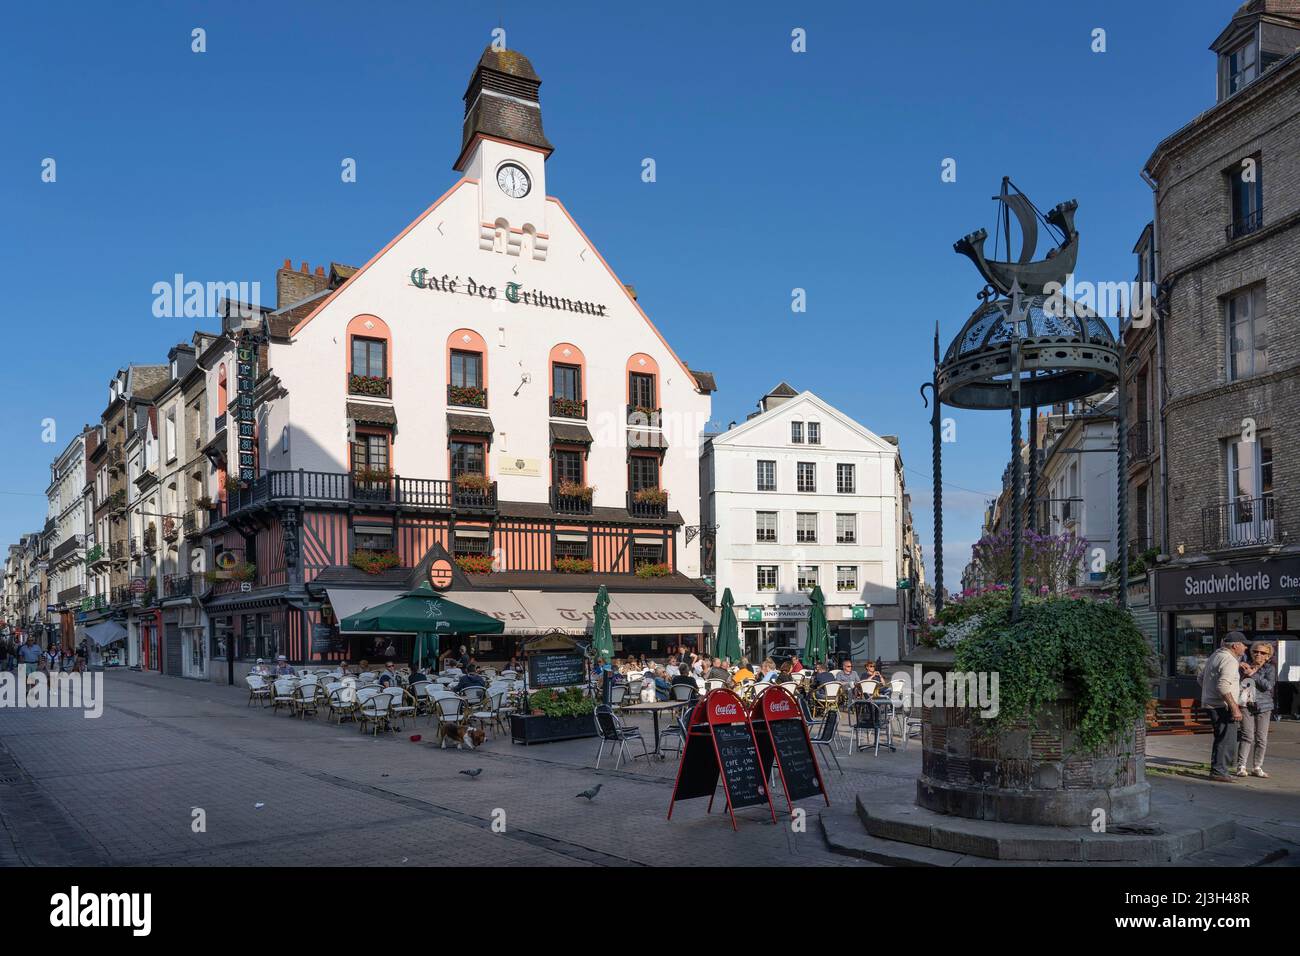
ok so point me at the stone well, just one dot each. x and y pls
(1032, 773)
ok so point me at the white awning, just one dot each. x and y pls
(658, 613)
(348, 601)
(567, 611)
(502, 605)
(105, 633)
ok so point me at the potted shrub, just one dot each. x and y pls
(1062, 737)
(653, 570)
(374, 562)
(650, 496)
(233, 484)
(572, 489)
(205, 503)
(474, 563)
(554, 715)
(573, 565)
(568, 408)
(368, 385)
(368, 475)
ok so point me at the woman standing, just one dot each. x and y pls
(1252, 738)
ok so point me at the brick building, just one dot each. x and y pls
(1222, 365)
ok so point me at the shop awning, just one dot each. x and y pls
(348, 601)
(658, 613)
(502, 605)
(567, 611)
(105, 633)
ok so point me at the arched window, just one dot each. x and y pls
(568, 382)
(467, 369)
(501, 236)
(369, 357)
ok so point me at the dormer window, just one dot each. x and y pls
(1241, 66)
(796, 433)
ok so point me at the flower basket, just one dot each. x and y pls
(571, 489)
(368, 385)
(644, 412)
(472, 481)
(655, 570)
(371, 474)
(205, 503)
(650, 496)
(568, 408)
(233, 484)
(474, 563)
(573, 565)
(471, 396)
(374, 562)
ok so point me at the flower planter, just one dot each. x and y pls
(532, 729)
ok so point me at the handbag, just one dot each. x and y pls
(1246, 696)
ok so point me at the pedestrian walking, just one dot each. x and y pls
(1261, 673)
(1220, 692)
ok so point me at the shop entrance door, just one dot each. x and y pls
(172, 639)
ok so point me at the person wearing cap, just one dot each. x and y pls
(388, 676)
(261, 669)
(282, 668)
(1220, 690)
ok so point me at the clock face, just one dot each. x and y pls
(513, 181)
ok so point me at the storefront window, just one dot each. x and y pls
(1193, 642)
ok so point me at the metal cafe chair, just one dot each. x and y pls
(613, 731)
(825, 738)
(683, 692)
(617, 695)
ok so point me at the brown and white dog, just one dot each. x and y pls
(465, 738)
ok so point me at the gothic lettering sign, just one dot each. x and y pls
(512, 292)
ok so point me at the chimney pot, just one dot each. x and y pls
(320, 270)
(288, 264)
(304, 266)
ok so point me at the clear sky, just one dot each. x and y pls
(775, 171)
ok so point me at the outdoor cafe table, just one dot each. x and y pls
(654, 709)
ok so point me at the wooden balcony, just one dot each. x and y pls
(343, 488)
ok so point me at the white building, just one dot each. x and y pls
(67, 509)
(803, 495)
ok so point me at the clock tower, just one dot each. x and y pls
(504, 148)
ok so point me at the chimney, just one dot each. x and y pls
(631, 290)
(292, 286)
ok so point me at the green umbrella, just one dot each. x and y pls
(728, 629)
(602, 637)
(819, 644)
(424, 612)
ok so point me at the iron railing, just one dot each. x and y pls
(1243, 523)
(1251, 222)
(569, 504)
(646, 509)
(1139, 443)
(568, 408)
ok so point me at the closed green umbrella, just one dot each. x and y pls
(728, 629)
(602, 636)
(424, 612)
(819, 644)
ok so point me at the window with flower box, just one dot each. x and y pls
(647, 552)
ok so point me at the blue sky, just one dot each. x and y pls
(818, 171)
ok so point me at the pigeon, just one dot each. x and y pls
(590, 794)
(472, 773)
(258, 806)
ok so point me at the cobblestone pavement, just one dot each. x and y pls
(124, 789)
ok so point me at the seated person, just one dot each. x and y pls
(871, 673)
(743, 673)
(685, 677)
(821, 675)
(661, 684)
(471, 678)
(796, 665)
(718, 672)
(282, 668)
(260, 668)
(849, 678)
(417, 675)
(388, 676)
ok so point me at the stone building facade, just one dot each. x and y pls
(1227, 258)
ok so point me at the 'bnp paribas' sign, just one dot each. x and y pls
(512, 292)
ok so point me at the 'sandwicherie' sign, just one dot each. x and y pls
(512, 292)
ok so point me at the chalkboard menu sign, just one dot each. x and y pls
(557, 669)
(721, 743)
(741, 768)
(796, 764)
(325, 641)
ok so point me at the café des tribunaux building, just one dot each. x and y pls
(484, 405)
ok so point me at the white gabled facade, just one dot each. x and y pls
(789, 512)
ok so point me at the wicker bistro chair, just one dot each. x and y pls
(402, 705)
(451, 710)
(827, 697)
(375, 712)
(867, 688)
(713, 683)
(305, 699)
(474, 695)
(613, 732)
(342, 703)
(283, 694)
(420, 690)
(258, 689)
(683, 692)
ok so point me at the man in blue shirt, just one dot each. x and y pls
(471, 678)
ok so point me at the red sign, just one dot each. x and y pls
(780, 706)
(724, 707)
(138, 586)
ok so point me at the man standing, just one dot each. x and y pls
(29, 655)
(1220, 689)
